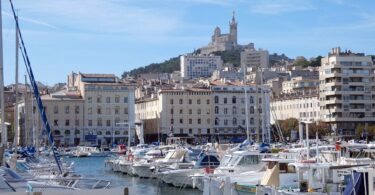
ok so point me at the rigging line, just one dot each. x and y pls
(36, 91)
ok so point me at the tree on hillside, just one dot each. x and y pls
(301, 61)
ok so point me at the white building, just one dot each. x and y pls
(347, 91)
(195, 66)
(300, 107)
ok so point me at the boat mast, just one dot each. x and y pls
(4, 136)
(16, 128)
(246, 105)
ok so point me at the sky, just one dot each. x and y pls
(113, 36)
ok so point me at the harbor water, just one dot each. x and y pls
(93, 167)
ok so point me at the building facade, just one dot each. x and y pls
(196, 66)
(346, 91)
(95, 109)
(252, 59)
(301, 107)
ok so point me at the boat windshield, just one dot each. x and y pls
(225, 160)
(234, 160)
(249, 160)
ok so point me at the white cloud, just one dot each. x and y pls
(280, 6)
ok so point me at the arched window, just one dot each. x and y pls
(234, 121)
(216, 109)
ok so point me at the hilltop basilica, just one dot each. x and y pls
(222, 42)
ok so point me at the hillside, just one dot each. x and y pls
(173, 64)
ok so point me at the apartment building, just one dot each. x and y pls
(346, 91)
(196, 66)
(300, 85)
(253, 59)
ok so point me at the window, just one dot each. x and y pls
(199, 131)
(56, 109)
(198, 101)
(208, 101)
(225, 110)
(108, 123)
(89, 99)
(225, 100)
(67, 132)
(199, 111)
(216, 109)
(180, 101)
(67, 109)
(172, 111)
(234, 110)
(99, 99)
(108, 99)
(190, 131)
(208, 121)
(181, 121)
(251, 109)
(190, 101)
(117, 110)
(67, 123)
(234, 121)
(216, 99)
(181, 112)
(225, 121)
(243, 111)
(117, 99)
(126, 111)
(76, 123)
(172, 121)
(56, 123)
(251, 121)
(190, 111)
(108, 133)
(199, 121)
(125, 99)
(208, 131)
(171, 101)
(99, 122)
(242, 100)
(98, 133)
(99, 110)
(190, 121)
(76, 109)
(90, 123)
(216, 121)
(234, 100)
(251, 99)
(117, 121)
(181, 131)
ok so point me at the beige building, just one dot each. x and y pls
(252, 59)
(96, 109)
(347, 91)
(216, 111)
(185, 112)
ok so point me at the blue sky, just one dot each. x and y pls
(110, 36)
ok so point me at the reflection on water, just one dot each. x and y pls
(93, 167)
